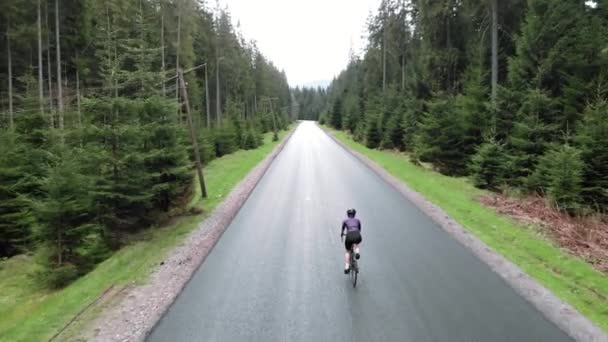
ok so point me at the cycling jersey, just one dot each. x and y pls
(351, 224)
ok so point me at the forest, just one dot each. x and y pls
(94, 142)
(513, 94)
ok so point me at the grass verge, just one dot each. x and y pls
(569, 278)
(30, 313)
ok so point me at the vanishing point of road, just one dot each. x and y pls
(276, 273)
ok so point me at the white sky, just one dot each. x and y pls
(309, 39)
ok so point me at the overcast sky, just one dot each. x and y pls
(309, 39)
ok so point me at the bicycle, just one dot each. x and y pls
(354, 266)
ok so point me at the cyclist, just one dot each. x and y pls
(352, 226)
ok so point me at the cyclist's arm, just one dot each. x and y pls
(343, 227)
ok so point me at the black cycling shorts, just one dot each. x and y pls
(352, 238)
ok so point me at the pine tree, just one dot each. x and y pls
(336, 114)
(206, 143)
(373, 132)
(123, 189)
(65, 217)
(592, 139)
(488, 165)
(441, 139)
(531, 136)
(559, 175)
(165, 153)
(558, 52)
(410, 122)
(474, 108)
(225, 139)
(393, 133)
(16, 218)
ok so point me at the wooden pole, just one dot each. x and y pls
(207, 104)
(197, 156)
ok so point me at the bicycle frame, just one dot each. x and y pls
(354, 267)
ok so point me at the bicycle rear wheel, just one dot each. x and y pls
(354, 272)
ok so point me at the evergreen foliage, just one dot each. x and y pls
(80, 173)
(423, 84)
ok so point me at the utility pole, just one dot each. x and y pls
(208, 106)
(218, 106)
(197, 157)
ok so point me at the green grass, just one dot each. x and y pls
(568, 277)
(30, 313)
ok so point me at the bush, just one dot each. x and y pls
(488, 166)
(249, 140)
(323, 119)
(206, 142)
(373, 132)
(393, 134)
(58, 277)
(225, 140)
(560, 174)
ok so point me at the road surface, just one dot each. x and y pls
(277, 272)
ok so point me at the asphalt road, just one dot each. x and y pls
(277, 272)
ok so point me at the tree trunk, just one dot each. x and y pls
(494, 49)
(179, 29)
(218, 105)
(10, 77)
(48, 67)
(59, 248)
(40, 78)
(403, 72)
(383, 59)
(58, 57)
(207, 104)
(162, 47)
(448, 34)
(141, 44)
(78, 96)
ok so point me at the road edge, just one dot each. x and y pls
(143, 306)
(554, 309)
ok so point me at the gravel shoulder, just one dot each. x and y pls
(560, 313)
(137, 309)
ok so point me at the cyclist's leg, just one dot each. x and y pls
(348, 245)
(356, 246)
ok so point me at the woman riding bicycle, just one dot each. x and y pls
(352, 226)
